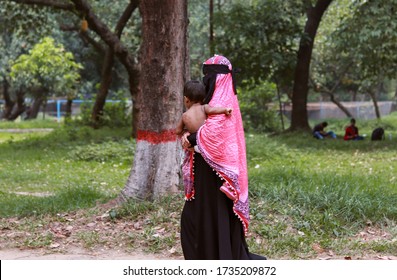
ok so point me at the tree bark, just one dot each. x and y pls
(211, 37)
(34, 110)
(19, 107)
(68, 110)
(340, 105)
(375, 101)
(299, 118)
(106, 81)
(8, 103)
(330, 92)
(107, 67)
(164, 70)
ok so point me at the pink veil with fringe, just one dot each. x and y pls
(222, 144)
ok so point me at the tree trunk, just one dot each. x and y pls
(35, 108)
(375, 99)
(20, 106)
(68, 110)
(106, 80)
(164, 68)
(299, 118)
(8, 103)
(211, 37)
(340, 105)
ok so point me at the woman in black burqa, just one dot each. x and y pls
(214, 226)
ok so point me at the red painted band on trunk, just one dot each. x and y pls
(156, 137)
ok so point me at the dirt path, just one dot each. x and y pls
(75, 253)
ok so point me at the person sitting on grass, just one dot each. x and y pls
(320, 133)
(351, 132)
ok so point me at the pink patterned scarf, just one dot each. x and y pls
(222, 144)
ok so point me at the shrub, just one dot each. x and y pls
(257, 115)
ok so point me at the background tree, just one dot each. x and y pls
(16, 38)
(96, 30)
(164, 68)
(164, 64)
(368, 37)
(198, 42)
(330, 73)
(314, 13)
(264, 48)
(47, 69)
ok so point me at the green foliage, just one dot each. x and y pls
(302, 191)
(67, 199)
(120, 151)
(46, 162)
(254, 105)
(47, 66)
(30, 124)
(198, 36)
(266, 42)
(367, 40)
(307, 191)
(116, 113)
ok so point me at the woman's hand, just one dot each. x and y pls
(185, 143)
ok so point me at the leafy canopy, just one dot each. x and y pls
(48, 67)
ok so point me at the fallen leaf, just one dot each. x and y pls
(54, 245)
(172, 250)
(386, 258)
(137, 225)
(317, 247)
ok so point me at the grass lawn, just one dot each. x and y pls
(309, 198)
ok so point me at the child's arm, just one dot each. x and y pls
(217, 110)
(179, 127)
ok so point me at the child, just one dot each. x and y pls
(191, 120)
(196, 114)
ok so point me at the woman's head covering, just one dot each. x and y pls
(211, 68)
(221, 139)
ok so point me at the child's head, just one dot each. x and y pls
(194, 91)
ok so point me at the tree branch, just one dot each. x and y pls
(84, 36)
(109, 37)
(97, 45)
(125, 17)
(48, 3)
(69, 28)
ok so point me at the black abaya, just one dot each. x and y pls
(209, 228)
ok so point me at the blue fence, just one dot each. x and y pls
(57, 109)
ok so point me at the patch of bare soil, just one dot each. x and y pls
(93, 235)
(83, 235)
(76, 253)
